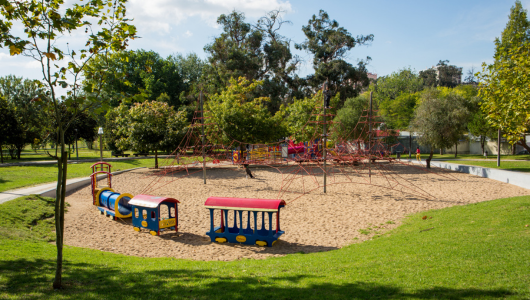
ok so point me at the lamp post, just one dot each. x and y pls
(100, 132)
(76, 151)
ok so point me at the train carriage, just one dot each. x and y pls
(154, 213)
(255, 209)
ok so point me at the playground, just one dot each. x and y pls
(345, 214)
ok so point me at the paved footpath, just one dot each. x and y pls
(48, 189)
(73, 161)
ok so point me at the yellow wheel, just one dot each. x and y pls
(137, 229)
(153, 232)
(220, 240)
(261, 243)
(274, 242)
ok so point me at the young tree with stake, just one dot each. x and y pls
(63, 67)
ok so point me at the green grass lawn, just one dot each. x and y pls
(520, 166)
(478, 251)
(20, 176)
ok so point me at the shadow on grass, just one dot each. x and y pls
(32, 280)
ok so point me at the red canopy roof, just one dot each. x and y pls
(150, 201)
(245, 203)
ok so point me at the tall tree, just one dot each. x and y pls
(138, 76)
(440, 119)
(442, 75)
(329, 45)
(9, 127)
(20, 94)
(505, 84)
(241, 118)
(346, 123)
(45, 22)
(448, 75)
(255, 52)
(150, 126)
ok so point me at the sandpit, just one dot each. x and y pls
(313, 222)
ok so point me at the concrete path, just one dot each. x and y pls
(73, 161)
(48, 189)
(521, 179)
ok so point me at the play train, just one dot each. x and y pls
(158, 214)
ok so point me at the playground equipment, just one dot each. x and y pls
(154, 213)
(250, 235)
(109, 202)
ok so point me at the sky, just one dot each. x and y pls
(407, 33)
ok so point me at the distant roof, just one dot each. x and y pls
(384, 133)
(244, 204)
(150, 201)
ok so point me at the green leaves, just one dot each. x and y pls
(505, 84)
(241, 117)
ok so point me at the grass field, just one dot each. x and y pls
(21, 176)
(478, 251)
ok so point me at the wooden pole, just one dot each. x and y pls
(499, 148)
(324, 135)
(370, 139)
(202, 140)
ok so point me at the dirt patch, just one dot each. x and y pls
(313, 222)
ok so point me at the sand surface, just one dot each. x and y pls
(312, 222)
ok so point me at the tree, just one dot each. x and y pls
(150, 126)
(138, 76)
(442, 75)
(479, 126)
(45, 22)
(255, 52)
(9, 126)
(21, 94)
(241, 118)
(440, 119)
(448, 75)
(387, 88)
(505, 84)
(429, 77)
(347, 126)
(300, 117)
(329, 45)
(471, 77)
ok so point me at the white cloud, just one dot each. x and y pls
(161, 15)
(188, 33)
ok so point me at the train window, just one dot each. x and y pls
(144, 214)
(136, 213)
(164, 211)
(153, 215)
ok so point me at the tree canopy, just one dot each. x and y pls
(329, 45)
(440, 118)
(505, 84)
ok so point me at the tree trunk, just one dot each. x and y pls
(456, 149)
(441, 151)
(482, 142)
(243, 150)
(60, 194)
(522, 143)
(69, 157)
(428, 160)
(156, 158)
(513, 148)
(410, 145)
(1, 153)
